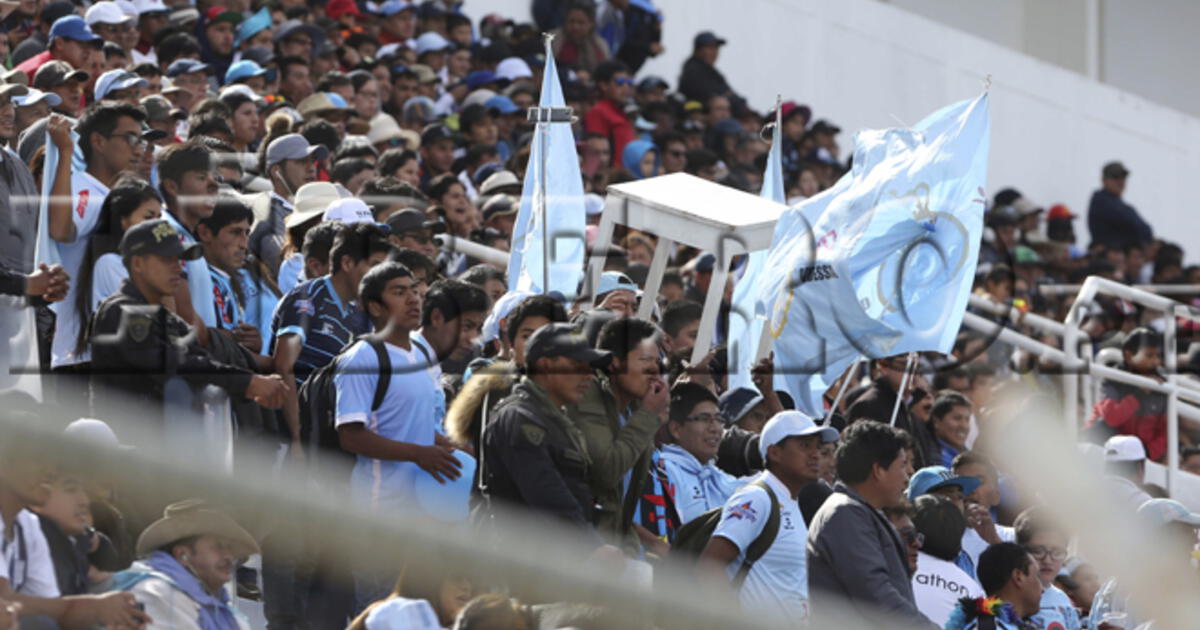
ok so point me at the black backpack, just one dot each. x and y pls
(693, 537)
(329, 463)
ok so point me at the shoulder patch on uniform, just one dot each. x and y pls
(533, 433)
(139, 326)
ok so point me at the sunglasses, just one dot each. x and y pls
(416, 236)
(623, 81)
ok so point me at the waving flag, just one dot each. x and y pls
(881, 263)
(559, 229)
(745, 327)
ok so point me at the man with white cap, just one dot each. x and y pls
(290, 164)
(110, 22)
(119, 85)
(1125, 466)
(33, 106)
(189, 556)
(777, 583)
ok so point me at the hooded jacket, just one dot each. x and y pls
(632, 156)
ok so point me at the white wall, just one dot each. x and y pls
(867, 64)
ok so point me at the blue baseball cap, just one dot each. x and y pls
(252, 26)
(932, 478)
(502, 105)
(244, 69)
(615, 281)
(737, 402)
(392, 7)
(74, 28)
(480, 78)
(431, 42)
(185, 66)
(118, 79)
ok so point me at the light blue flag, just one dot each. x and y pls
(745, 327)
(881, 263)
(565, 218)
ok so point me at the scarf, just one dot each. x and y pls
(971, 608)
(215, 613)
(716, 486)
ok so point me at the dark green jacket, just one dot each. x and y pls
(614, 449)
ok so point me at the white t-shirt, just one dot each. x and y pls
(1056, 611)
(107, 275)
(938, 585)
(25, 558)
(87, 195)
(399, 613)
(777, 585)
(974, 544)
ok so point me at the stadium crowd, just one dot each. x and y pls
(247, 196)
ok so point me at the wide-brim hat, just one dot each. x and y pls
(194, 517)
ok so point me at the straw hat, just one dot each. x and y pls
(193, 517)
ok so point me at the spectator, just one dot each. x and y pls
(617, 293)
(700, 79)
(290, 164)
(878, 403)
(576, 44)
(950, 423)
(75, 546)
(938, 583)
(70, 40)
(421, 594)
(1047, 543)
(189, 555)
(618, 416)
(1125, 465)
(1009, 577)
(411, 230)
(1080, 582)
(224, 236)
(530, 435)
(37, 40)
(607, 117)
(900, 516)
(1189, 460)
(1111, 220)
(777, 584)
(853, 551)
(681, 324)
(1128, 410)
(982, 528)
(746, 408)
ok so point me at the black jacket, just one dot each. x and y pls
(877, 402)
(698, 81)
(71, 557)
(535, 457)
(1116, 223)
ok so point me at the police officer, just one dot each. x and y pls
(138, 345)
(533, 454)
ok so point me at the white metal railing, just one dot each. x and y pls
(483, 253)
(1160, 289)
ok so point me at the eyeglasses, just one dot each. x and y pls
(706, 418)
(134, 140)
(1040, 553)
(912, 537)
(623, 81)
(416, 236)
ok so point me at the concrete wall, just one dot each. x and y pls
(869, 64)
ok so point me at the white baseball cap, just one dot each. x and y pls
(1124, 448)
(788, 424)
(106, 13)
(348, 211)
(399, 612)
(1163, 511)
(514, 68)
(95, 432)
(150, 6)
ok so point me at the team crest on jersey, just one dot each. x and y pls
(82, 205)
(305, 307)
(744, 511)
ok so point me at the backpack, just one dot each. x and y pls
(691, 539)
(329, 463)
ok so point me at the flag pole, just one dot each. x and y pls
(908, 370)
(544, 117)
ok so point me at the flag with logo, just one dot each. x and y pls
(881, 263)
(552, 219)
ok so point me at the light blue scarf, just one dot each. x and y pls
(715, 484)
(215, 613)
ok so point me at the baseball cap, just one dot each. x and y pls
(1115, 170)
(55, 73)
(435, 133)
(1060, 211)
(788, 424)
(513, 68)
(480, 78)
(183, 16)
(337, 8)
(398, 612)
(105, 13)
(253, 25)
(563, 340)
(10, 90)
(615, 281)
(260, 55)
(118, 79)
(500, 310)
(34, 96)
(312, 200)
(1124, 448)
(54, 10)
(705, 263)
(392, 7)
(349, 210)
(294, 146)
(1002, 215)
(593, 204)
(185, 66)
(478, 97)
(502, 105)
(1163, 511)
(244, 69)
(737, 402)
(412, 220)
(502, 181)
(788, 108)
(74, 28)
(932, 478)
(824, 126)
(159, 108)
(157, 237)
(96, 433)
(431, 42)
(1025, 207)
(651, 82)
(321, 103)
(424, 73)
(418, 109)
(1025, 255)
(295, 27)
(500, 206)
(707, 38)
(150, 6)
